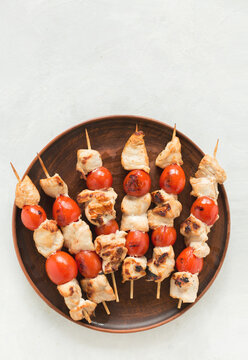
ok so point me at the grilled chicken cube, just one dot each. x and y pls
(162, 263)
(194, 229)
(88, 160)
(98, 289)
(204, 186)
(209, 167)
(133, 268)
(134, 155)
(71, 292)
(171, 154)
(26, 193)
(184, 286)
(54, 186)
(160, 197)
(77, 313)
(164, 214)
(135, 222)
(48, 238)
(132, 205)
(99, 205)
(78, 237)
(201, 248)
(111, 248)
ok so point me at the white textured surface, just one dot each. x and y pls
(63, 62)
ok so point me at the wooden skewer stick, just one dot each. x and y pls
(131, 289)
(87, 139)
(158, 289)
(115, 287)
(43, 166)
(15, 172)
(179, 304)
(106, 307)
(174, 131)
(87, 317)
(136, 128)
(216, 148)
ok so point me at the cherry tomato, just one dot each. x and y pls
(187, 261)
(137, 183)
(61, 267)
(99, 178)
(32, 216)
(65, 210)
(164, 236)
(89, 263)
(172, 179)
(205, 209)
(137, 243)
(106, 229)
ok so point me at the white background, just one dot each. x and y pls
(63, 62)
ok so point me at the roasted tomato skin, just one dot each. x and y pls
(32, 216)
(61, 268)
(137, 243)
(65, 210)
(187, 261)
(164, 236)
(137, 183)
(100, 178)
(172, 179)
(205, 209)
(89, 263)
(106, 229)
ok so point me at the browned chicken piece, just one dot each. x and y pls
(77, 313)
(162, 263)
(71, 293)
(133, 268)
(160, 197)
(164, 214)
(99, 205)
(132, 205)
(87, 161)
(171, 154)
(209, 167)
(98, 289)
(48, 238)
(134, 155)
(111, 248)
(184, 286)
(204, 186)
(135, 222)
(194, 229)
(78, 237)
(26, 193)
(54, 186)
(201, 248)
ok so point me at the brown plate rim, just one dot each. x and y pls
(135, 118)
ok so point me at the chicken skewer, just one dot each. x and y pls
(78, 238)
(99, 202)
(195, 229)
(161, 218)
(49, 239)
(134, 207)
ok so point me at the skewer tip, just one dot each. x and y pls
(15, 172)
(136, 128)
(179, 304)
(174, 131)
(216, 148)
(43, 165)
(87, 139)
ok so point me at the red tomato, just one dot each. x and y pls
(106, 229)
(32, 216)
(61, 267)
(137, 183)
(187, 261)
(89, 263)
(164, 236)
(65, 210)
(205, 209)
(172, 179)
(137, 243)
(99, 178)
